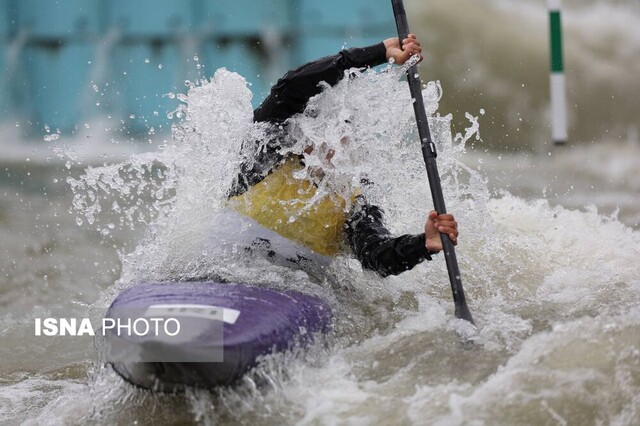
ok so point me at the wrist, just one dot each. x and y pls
(426, 250)
(432, 246)
(389, 43)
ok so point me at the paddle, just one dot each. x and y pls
(429, 154)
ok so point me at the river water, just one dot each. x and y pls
(548, 252)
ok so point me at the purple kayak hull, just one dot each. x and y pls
(262, 321)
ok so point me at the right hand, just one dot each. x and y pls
(436, 224)
(410, 47)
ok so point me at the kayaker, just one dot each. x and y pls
(267, 193)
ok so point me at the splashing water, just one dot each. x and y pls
(557, 308)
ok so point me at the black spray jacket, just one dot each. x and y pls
(365, 232)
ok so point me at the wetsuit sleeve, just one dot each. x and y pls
(290, 96)
(376, 249)
(292, 92)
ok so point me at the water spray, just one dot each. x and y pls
(429, 154)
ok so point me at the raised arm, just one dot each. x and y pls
(292, 92)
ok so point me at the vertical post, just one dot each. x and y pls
(559, 132)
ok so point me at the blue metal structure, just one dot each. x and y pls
(66, 61)
(5, 29)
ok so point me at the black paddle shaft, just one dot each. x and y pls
(429, 154)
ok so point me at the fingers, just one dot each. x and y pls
(411, 38)
(330, 153)
(411, 46)
(445, 224)
(326, 152)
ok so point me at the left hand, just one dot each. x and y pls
(436, 224)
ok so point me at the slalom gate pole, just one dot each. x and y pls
(559, 133)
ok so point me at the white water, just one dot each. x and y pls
(554, 291)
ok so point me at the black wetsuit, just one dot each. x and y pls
(368, 238)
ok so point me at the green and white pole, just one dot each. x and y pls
(559, 132)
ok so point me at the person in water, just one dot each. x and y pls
(266, 191)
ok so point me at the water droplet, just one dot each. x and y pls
(160, 66)
(147, 60)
